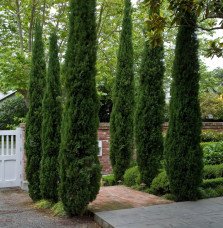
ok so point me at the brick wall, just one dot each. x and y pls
(103, 134)
(215, 126)
(104, 137)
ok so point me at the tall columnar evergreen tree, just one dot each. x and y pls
(51, 126)
(182, 148)
(34, 118)
(79, 164)
(150, 107)
(121, 122)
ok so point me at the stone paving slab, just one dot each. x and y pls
(121, 197)
(206, 213)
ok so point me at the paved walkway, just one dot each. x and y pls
(17, 211)
(206, 213)
(121, 197)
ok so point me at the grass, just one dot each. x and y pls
(43, 204)
(56, 208)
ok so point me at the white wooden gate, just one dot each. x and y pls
(10, 158)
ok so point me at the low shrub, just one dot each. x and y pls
(219, 190)
(170, 196)
(43, 204)
(132, 176)
(160, 184)
(211, 136)
(208, 193)
(58, 209)
(213, 171)
(213, 153)
(108, 180)
(213, 183)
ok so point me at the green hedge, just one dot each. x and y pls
(211, 136)
(108, 180)
(213, 183)
(213, 171)
(213, 153)
(160, 184)
(132, 176)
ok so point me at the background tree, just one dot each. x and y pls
(16, 37)
(182, 147)
(150, 105)
(12, 112)
(34, 118)
(51, 126)
(121, 123)
(79, 165)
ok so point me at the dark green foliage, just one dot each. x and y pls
(213, 153)
(211, 136)
(209, 193)
(182, 148)
(108, 180)
(79, 165)
(34, 118)
(150, 112)
(51, 126)
(132, 176)
(213, 171)
(213, 183)
(160, 184)
(121, 122)
(12, 112)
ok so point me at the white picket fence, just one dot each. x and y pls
(10, 158)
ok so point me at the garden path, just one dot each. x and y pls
(17, 211)
(206, 213)
(121, 197)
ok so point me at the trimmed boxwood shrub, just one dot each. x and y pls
(211, 136)
(132, 176)
(213, 153)
(108, 180)
(213, 183)
(213, 171)
(160, 184)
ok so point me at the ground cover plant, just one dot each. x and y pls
(213, 153)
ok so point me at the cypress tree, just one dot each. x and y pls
(34, 117)
(51, 126)
(121, 122)
(182, 147)
(150, 107)
(79, 165)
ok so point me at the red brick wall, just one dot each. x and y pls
(216, 126)
(104, 136)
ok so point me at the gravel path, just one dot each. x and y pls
(16, 210)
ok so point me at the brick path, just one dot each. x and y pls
(121, 197)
